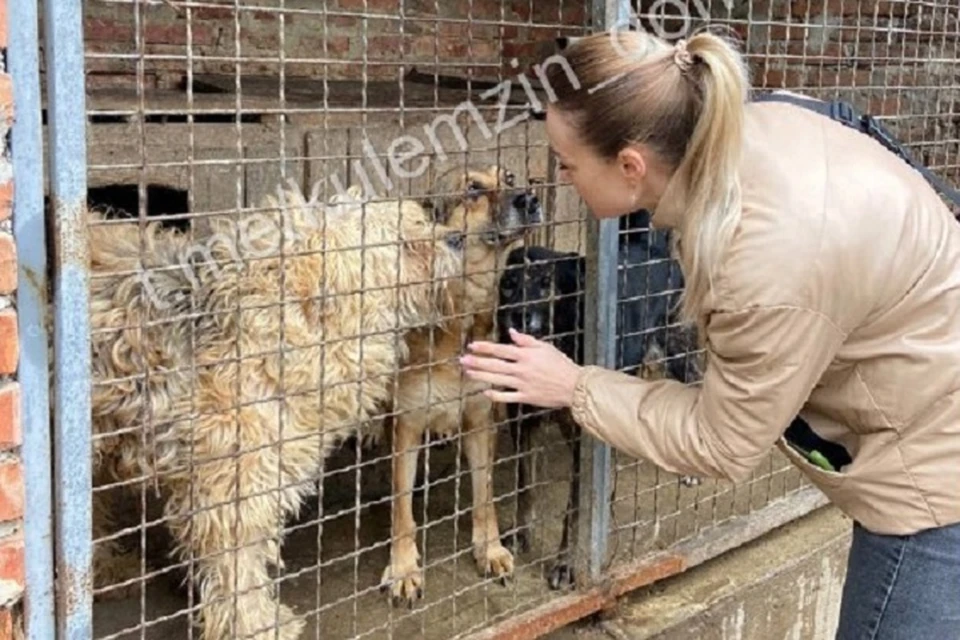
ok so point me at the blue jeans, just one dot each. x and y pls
(902, 587)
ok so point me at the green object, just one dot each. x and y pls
(818, 459)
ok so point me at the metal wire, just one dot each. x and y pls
(202, 109)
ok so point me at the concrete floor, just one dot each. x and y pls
(342, 599)
(785, 585)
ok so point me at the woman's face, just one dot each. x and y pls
(609, 187)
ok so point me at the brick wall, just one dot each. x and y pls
(893, 58)
(11, 472)
(879, 50)
(482, 47)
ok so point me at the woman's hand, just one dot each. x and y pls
(538, 373)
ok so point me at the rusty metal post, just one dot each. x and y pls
(600, 348)
(66, 108)
(26, 139)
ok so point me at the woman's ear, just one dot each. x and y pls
(632, 164)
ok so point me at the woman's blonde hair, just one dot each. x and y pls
(685, 103)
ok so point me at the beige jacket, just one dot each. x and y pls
(839, 299)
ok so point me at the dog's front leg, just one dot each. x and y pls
(480, 447)
(522, 426)
(402, 577)
(228, 517)
(561, 574)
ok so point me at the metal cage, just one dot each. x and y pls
(194, 115)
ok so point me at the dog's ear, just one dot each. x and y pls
(438, 208)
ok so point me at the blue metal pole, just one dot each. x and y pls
(63, 42)
(33, 371)
(600, 340)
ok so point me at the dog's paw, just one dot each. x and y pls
(517, 541)
(690, 481)
(403, 581)
(494, 560)
(561, 576)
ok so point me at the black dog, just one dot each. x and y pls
(541, 294)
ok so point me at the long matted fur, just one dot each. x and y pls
(225, 372)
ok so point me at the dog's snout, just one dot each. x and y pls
(535, 324)
(529, 322)
(525, 201)
(454, 240)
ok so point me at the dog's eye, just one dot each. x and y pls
(475, 188)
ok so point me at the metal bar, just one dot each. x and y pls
(63, 41)
(631, 576)
(599, 348)
(28, 230)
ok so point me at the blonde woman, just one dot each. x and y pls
(824, 275)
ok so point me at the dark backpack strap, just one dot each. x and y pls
(846, 114)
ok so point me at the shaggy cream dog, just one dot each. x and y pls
(224, 373)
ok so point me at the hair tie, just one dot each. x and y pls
(682, 56)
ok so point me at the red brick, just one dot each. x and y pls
(6, 96)
(815, 52)
(177, 34)
(8, 264)
(777, 32)
(849, 8)
(212, 13)
(264, 16)
(882, 53)
(10, 431)
(372, 6)
(770, 9)
(521, 9)
(11, 560)
(3, 24)
(11, 491)
(850, 77)
(263, 40)
(883, 106)
(575, 15)
(6, 199)
(314, 44)
(781, 78)
(346, 24)
(9, 342)
(100, 30)
(6, 624)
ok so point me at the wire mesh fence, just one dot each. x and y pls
(284, 444)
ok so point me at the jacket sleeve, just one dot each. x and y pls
(762, 365)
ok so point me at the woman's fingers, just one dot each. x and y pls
(491, 365)
(495, 349)
(496, 379)
(522, 339)
(503, 396)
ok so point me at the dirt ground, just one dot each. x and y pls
(340, 598)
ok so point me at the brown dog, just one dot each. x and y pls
(228, 374)
(485, 203)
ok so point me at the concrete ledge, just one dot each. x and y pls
(786, 584)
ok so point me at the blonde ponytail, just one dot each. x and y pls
(707, 180)
(685, 102)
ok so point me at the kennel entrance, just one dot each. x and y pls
(221, 104)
